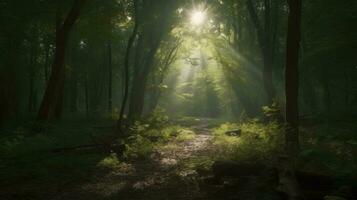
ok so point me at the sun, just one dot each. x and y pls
(198, 17)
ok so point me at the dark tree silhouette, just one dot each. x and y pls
(292, 76)
(52, 99)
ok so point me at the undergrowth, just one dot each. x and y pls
(146, 138)
(330, 149)
(257, 141)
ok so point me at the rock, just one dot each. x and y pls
(234, 133)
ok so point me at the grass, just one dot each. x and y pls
(258, 141)
(185, 135)
(327, 149)
(145, 139)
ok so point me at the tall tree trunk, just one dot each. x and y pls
(73, 78)
(138, 90)
(137, 97)
(326, 93)
(86, 94)
(286, 170)
(53, 92)
(152, 34)
(59, 104)
(32, 70)
(126, 67)
(47, 58)
(110, 74)
(268, 54)
(158, 81)
(265, 42)
(74, 91)
(31, 107)
(8, 82)
(98, 88)
(347, 89)
(291, 76)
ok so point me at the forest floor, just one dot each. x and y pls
(29, 170)
(168, 173)
(176, 168)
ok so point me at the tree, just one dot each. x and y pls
(158, 23)
(291, 76)
(127, 65)
(54, 90)
(266, 42)
(167, 55)
(110, 77)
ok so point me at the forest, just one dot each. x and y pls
(178, 100)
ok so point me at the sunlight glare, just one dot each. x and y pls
(198, 17)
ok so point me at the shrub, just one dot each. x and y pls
(139, 146)
(258, 141)
(158, 118)
(110, 162)
(185, 135)
(145, 138)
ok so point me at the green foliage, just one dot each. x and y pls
(110, 162)
(272, 111)
(145, 138)
(199, 163)
(139, 146)
(158, 118)
(185, 135)
(257, 142)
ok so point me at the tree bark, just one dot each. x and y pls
(126, 68)
(47, 58)
(86, 94)
(110, 74)
(32, 74)
(52, 94)
(138, 89)
(9, 82)
(292, 78)
(266, 44)
(73, 85)
(152, 34)
(167, 61)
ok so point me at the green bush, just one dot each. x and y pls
(158, 118)
(258, 141)
(110, 162)
(139, 146)
(185, 135)
(145, 138)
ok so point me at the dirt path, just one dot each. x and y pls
(167, 174)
